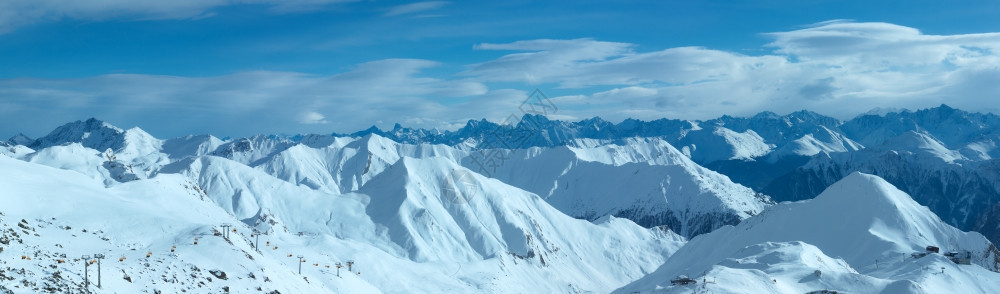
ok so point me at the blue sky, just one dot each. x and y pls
(242, 67)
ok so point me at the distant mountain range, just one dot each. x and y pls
(946, 158)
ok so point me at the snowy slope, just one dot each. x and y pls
(719, 143)
(421, 217)
(438, 211)
(15, 151)
(780, 143)
(61, 215)
(954, 128)
(252, 149)
(957, 188)
(589, 181)
(404, 219)
(824, 140)
(646, 180)
(523, 244)
(345, 164)
(861, 220)
(190, 146)
(673, 191)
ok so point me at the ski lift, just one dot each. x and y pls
(683, 280)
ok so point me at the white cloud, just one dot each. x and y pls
(835, 68)
(880, 46)
(18, 13)
(312, 117)
(586, 62)
(238, 104)
(838, 68)
(633, 91)
(415, 7)
(545, 60)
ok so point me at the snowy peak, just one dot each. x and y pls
(92, 133)
(923, 145)
(868, 224)
(431, 204)
(253, 149)
(879, 198)
(191, 146)
(883, 111)
(850, 189)
(20, 139)
(953, 127)
(720, 143)
(101, 136)
(100, 150)
(777, 128)
(824, 140)
(880, 218)
(139, 143)
(645, 179)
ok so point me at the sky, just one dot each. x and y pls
(242, 67)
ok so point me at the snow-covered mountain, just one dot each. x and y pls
(157, 236)
(855, 237)
(589, 182)
(942, 156)
(535, 206)
(403, 231)
(645, 180)
(124, 154)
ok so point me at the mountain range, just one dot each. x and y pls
(539, 205)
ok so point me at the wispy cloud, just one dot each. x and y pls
(415, 8)
(263, 101)
(839, 67)
(18, 13)
(836, 68)
(586, 62)
(312, 117)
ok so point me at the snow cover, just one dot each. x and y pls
(402, 230)
(924, 146)
(823, 141)
(588, 182)
(15, 151)
(646, 180)
(859, 234)
(719, 143)
(66, 215)
(420, 217)
(190, 146)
